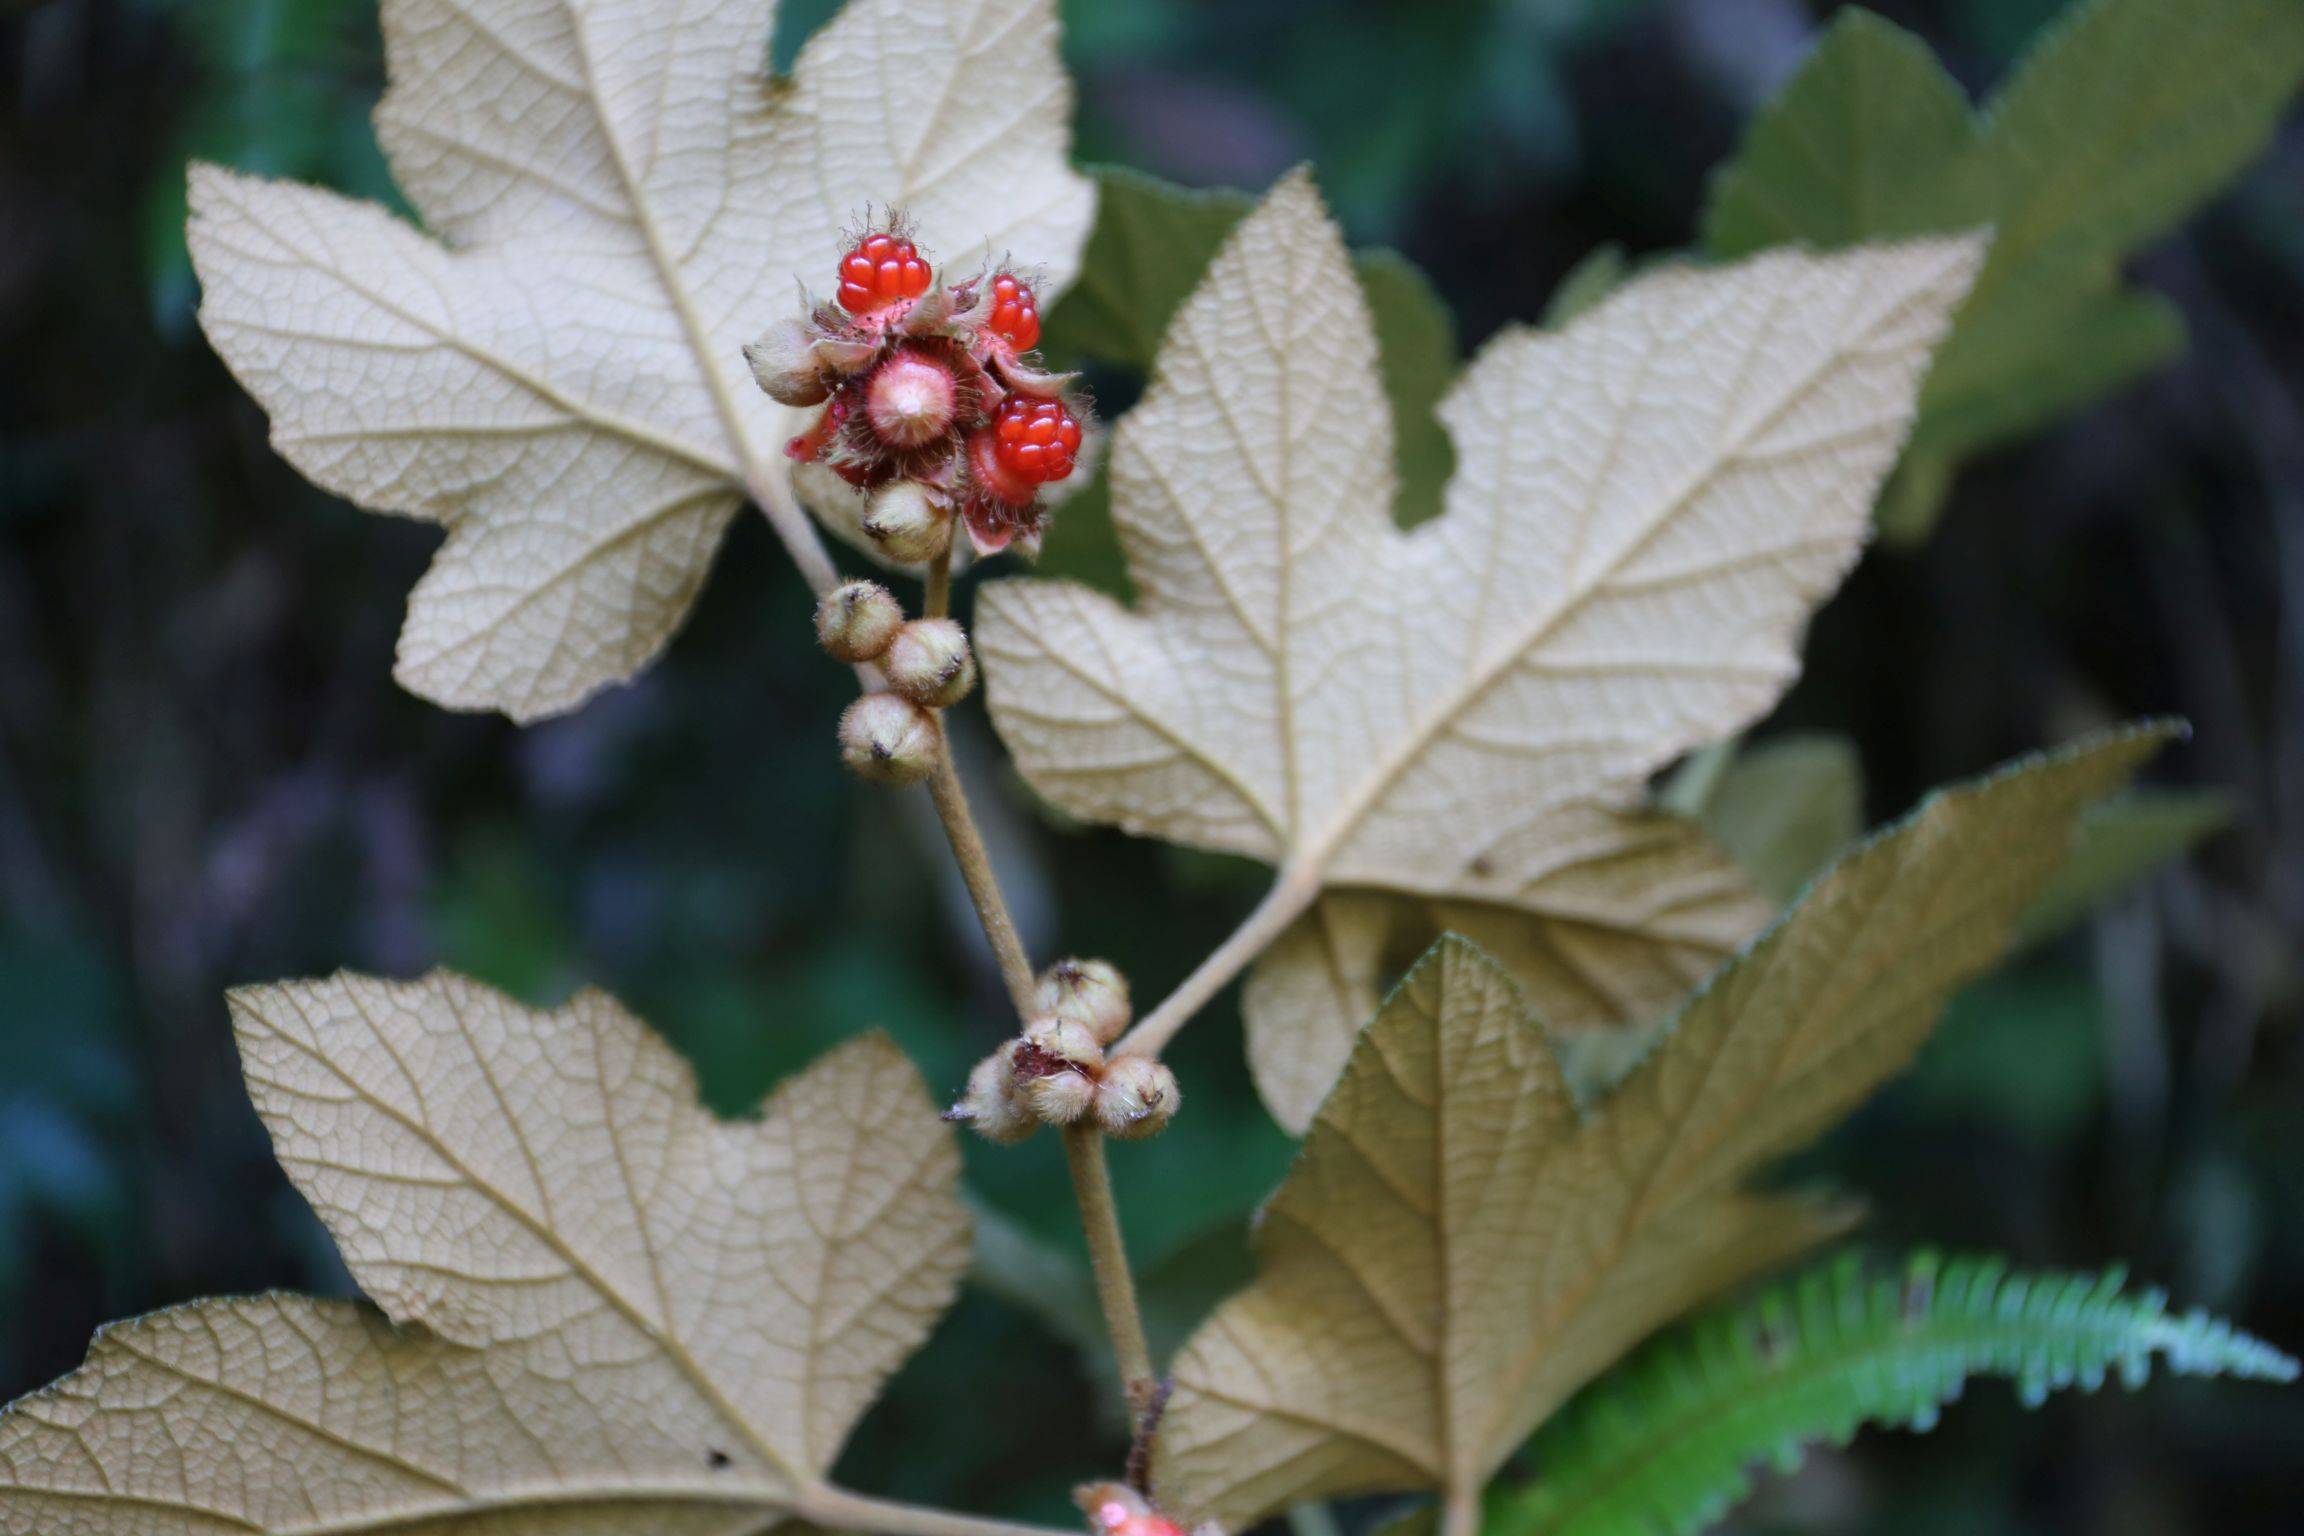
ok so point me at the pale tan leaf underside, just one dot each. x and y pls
(617, 198)
(1605, 947)
(617, 1312)
(1457, 1249)
(1645, 510)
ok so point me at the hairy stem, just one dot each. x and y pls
(1108, 1258)
(937, 601)
(1290, 897)
(951, 799)
(1083, 1145)
(841, 1510)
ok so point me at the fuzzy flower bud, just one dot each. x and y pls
(910, 400)
(858, 620)
(1065, 1042)
(907, 524)
(929, 663)
(785, 363)
(1089, 992)
(991, 1106)
(888, 740)
(1061, 1097)
(1137, 1098)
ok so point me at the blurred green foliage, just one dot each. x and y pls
(2124, 118)
(206, 776)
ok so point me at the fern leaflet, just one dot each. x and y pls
(1665, 1442)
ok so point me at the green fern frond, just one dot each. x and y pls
(1665, 1442)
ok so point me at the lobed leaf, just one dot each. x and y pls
(1645, 509)
(1458, 1249)
(2123, 120)
(2122, 842)
(1665, 1444)
(1614, 941)
(616, 198)
(602, 1308)
(1152, 244)
(1785, 808)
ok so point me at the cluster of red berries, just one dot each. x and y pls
(929, 399)
(881, 270)
(1036, 440)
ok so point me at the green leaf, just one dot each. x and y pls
(1787, 807)
(2120, 842)
(1601, 272)
(1870, 140)
(1152, 243)
(2123, 120)
(1665, 1443)
(1416, 353)
(1461, 1246)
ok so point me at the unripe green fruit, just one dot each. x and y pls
(1060, 1098)
(888, 740)
(1089, 992)
(1137, 1098)
(992, 1106)
(857, 621)
(907, 524)
(929, 663)
(1066, 1040)
(785, 364)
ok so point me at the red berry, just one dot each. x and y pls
(1115, 1517)
(881, 271)
(1015, 313)
(1035, 440)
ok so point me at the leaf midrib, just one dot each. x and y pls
(668, 1343)
(668, 275)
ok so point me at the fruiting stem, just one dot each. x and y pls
(1291, 895)
(937, 603)
(1108, 1258)
(841, 1510)
(1083, 1144)
(1460, 1512)
(951, 799)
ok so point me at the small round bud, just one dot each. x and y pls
(785, 363)
(1090, 992)
(910, 400)
(1060, 1097)
(1137, 1098)
(991, 1106)
(888, 740)
(1065, 1040)
(856, 621)
(929, 663)
(907, 523)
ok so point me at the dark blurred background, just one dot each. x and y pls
(207, 776)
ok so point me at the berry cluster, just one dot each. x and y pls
(927, 399)
(1056, 1072)
(892, 737)
(881, 270)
